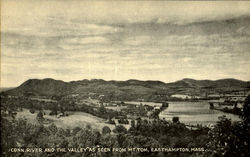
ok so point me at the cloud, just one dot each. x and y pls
(122, 12)
(79, 43)
(73, 40)
(54, 28)
(137, 40)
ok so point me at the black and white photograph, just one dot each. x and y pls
(116, 78)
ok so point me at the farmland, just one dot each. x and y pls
(74, 119)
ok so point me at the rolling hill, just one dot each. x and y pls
(130, 89)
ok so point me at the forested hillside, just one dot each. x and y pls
(127, 90)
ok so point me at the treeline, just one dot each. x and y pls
(62, 105)
(21, 134)
(56, 107)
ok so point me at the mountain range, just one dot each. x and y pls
(129, 89)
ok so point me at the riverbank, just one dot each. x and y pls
(193, 113)
(235, 111)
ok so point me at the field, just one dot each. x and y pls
(74, 119)
(116, 108)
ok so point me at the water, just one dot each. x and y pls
(193, 113)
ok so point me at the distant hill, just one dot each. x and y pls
(46, 86)
(2, 89)
(130, 89)
(207, 86)
(219, 84)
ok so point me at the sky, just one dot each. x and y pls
(121, 40)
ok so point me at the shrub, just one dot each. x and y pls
(111, 121)
(106, 130)
(53, 113)
(120, 129)
(32, 111)
(175, 119)
(39, 115)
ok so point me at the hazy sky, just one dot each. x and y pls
(118, 40)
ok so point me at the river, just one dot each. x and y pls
(190, 113)
(193, 113)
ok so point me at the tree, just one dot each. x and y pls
(133, 123)
(231, 139)
(106, 130)
(211, 105)
(9, 136)
(110, 121)
(32, 110)
(120, 129)
(175, 119)
(246, 112)
(76, 130)
(54, 110)
(52, 128)
(164, 105)
(102, 110)
(39, 116)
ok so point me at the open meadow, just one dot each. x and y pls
(75, 119)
